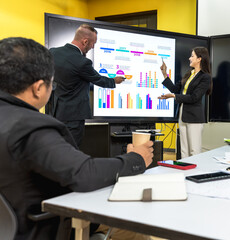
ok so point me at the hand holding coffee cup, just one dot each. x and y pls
(143, 146)
(140, 138)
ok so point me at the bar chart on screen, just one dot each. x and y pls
(137, 58)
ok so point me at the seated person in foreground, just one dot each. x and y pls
(39, 158)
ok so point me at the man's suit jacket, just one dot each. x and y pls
(39, 160)
(73, 75)
(193, 109)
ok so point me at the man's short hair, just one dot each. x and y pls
(84, 31)
(23, 62)
(87, 26)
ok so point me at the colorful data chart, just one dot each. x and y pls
(120, 72)
(104, 72)
(129, 101)
(148, 102)
(122, 49)
(164, 56)
(150, 52)
(163, 104)
(137, 53)
(148, 81)
(105, 98)
(119, 101)
(138, 102)
(170, 73)
(107, 50)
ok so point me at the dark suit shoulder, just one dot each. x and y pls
(202, 74)
(68, 48)
(72, 47)
(70, 55)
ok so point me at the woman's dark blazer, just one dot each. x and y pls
(193, 109)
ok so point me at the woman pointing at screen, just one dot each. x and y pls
(189, 93)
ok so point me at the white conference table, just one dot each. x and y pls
(199, 217)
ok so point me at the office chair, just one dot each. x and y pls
(8, 220)
(9, 224)
(102, 236)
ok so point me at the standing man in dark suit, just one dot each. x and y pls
(73, 75)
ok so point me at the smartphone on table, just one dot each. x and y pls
(176, 164)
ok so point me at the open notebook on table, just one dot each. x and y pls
(150, 187)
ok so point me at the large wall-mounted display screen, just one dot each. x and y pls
(136, 54)
(138, 58)
(220, 99)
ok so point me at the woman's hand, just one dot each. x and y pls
(166, 96)
(164, 69)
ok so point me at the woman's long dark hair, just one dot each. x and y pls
(201, 52)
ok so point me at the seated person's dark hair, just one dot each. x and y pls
(23, 62)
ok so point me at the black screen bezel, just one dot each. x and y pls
(184, 45)
(220, 95)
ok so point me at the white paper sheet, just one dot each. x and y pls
(216, 189)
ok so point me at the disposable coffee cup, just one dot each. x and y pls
(140, 138)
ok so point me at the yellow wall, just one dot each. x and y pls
(25, 18)
(172, 15)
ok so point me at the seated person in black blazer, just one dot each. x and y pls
(74, 72)
(39, 158)
(189, 93)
